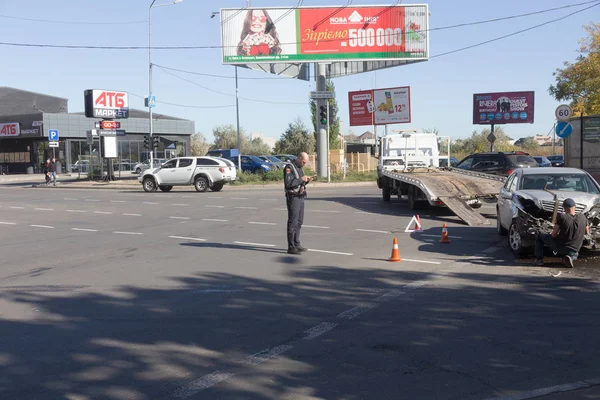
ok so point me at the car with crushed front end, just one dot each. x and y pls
(531, 198)
(202, 172)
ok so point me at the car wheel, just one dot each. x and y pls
(258, 170)
(201, 184)
(217, 187)
(502, 231)
(138, 171)
(386, 192)
(149, 185)
(165, 188)
(515, 241)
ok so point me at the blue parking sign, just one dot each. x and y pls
(53, 135)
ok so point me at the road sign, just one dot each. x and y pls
(110, 125)
(491, 138)
(563, 112)
(564, 129)
(111, 132)
(53, 135)
(52, 144)
(151, 101)
(321, 95)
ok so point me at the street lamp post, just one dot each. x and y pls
(150, 70)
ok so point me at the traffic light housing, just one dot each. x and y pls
(323, 115)
(147, 142)
(155, 142)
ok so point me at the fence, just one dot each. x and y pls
(356, 162)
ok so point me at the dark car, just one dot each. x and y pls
(557, 160)
(443, 163)
(253, 164)
(542, 161)
(502, 163)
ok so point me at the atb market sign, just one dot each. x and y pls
(311, 34)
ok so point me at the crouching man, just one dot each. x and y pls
(567, 236)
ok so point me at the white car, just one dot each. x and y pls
(202, 172)
(144, 165)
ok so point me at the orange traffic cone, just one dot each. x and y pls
(395, 252)
(445, 238)
(418, 227)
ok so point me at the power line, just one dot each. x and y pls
(219, 76)
(48, 21)
(183, 105)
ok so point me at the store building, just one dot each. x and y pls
(26, 117)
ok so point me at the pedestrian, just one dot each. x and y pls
(567, 236)
(295, 182)
(53, 170)
(46, 171)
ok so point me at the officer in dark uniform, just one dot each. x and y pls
(295, 182)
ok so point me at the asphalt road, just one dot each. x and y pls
(129, 295)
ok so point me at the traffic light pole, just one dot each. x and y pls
(328, 155)
(322, 146)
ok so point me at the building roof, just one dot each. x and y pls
(367, 135)
(19, 102)
(134, 113)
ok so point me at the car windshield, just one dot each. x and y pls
(560, 182)
(273, 159)
(518, 159)
(555, 158)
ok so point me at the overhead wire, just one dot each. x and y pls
(48, 21)
(184, 105)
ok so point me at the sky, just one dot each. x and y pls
(442, 88)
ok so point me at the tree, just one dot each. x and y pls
(295, 139)
(580, 82)
(478, 142)
(199, 145)
(226, 137)
(334, 127)
(255, 147)
(528, 143)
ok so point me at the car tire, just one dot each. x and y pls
(149, 185)
(217, 187)
(515, 243)
(138, 171)
(502, 231)
(201, 184)
(258, 170)
(165, 188)
(386, 191)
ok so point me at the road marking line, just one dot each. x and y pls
(421, 261)
(264, 355)
(179, 217)
(255, 244)
(434, 236)
(188, 238)
(262, 223)
(361, 212)
(536, 393)
(356, 311)
(490, 250)
(128, 233)
(103, 212)
(391, 295)
(370, 230)
(118, 201)
(132, 215)
(8, 223)
(201, 384)
(215, 220)
(44, 209)
(188, 197)
(84, 230)
(325, 211)
(319, 330)
(180, 205)
(149, 202)
(268, 199)
(17, 208)
(280, 209)
(91, 200)
(315, 226)
(211, 206)
(331, 252)
(42, 226)
(77, 211)
(239, 198)
(247, 208)
(214, 197)
(70, 199)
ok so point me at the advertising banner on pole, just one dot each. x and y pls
(313, 34)
(380, 106)
(503, 108)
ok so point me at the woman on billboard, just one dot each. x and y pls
(259, 35)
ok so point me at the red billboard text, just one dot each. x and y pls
(111, 100)
(9, 129)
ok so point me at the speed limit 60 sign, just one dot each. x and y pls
(563, 112)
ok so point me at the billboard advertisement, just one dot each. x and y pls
(503, 108)
(108, 104)
(312, 34)
(10, 129)
(380, 106)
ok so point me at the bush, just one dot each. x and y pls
(246, 178)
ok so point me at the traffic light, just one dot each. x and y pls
(323, 115)
(155, 142)
(147, 142)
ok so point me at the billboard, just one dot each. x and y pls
(10, 129)
(503, 108)
(313, 34)
(380, 106)
(108, 104)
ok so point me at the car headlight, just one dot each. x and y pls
(266, 167)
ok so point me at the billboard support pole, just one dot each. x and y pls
(322, 133)
(492, 143)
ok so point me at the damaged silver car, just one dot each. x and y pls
(531, 199)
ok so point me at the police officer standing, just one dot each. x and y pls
(295, 182)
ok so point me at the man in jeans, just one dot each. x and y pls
(53, 170)
(567, 236)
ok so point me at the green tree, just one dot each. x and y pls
(478, 143)
(529, 144)
(579, 82)
(199, 145)
(334, 127)
(226, 137)
(295, 139)
(255, 147)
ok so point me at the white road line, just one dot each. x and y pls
(361, 212)
(42, 226)
(247, 208)
(179, 217)
(239, 198)
(435, 236)
(188, 238)
(536, 393)
(356, 311)
(188, 197)
(201, 384)
(7, 223)
(180, 205)
(215, 220)
(324, 211)
(149, 202)
(370, 230)
(262, 223)
(132, 215)
(331, 252)
(422, 261)
(44, 209)
(127, 233)
(211, 206)
(255, 244)
(70, 199)
(214, 197)
(280, 209)
(268, 199)
(84, 230)
(264, 355)
(118, 201)
(91, 200)
(315, 226)
(77, 211)
(319, 330)
(490, 250)
(103, 212)
(391, 295)
(17, 208)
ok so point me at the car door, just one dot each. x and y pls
(183, 171)
(466, 164)
(505, 200)
(166, 174)
(247, 164)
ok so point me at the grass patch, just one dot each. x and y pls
(276, 176)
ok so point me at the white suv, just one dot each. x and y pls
(202, 172)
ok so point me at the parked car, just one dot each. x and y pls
(202, 172)
(144, 165)
(557, 160)
(542, 161)
(443, 162)
(252, 164)
(285, 157)
(525, 206)
(81, 166)
(273, 160)
(223, 153)
(501, 163)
